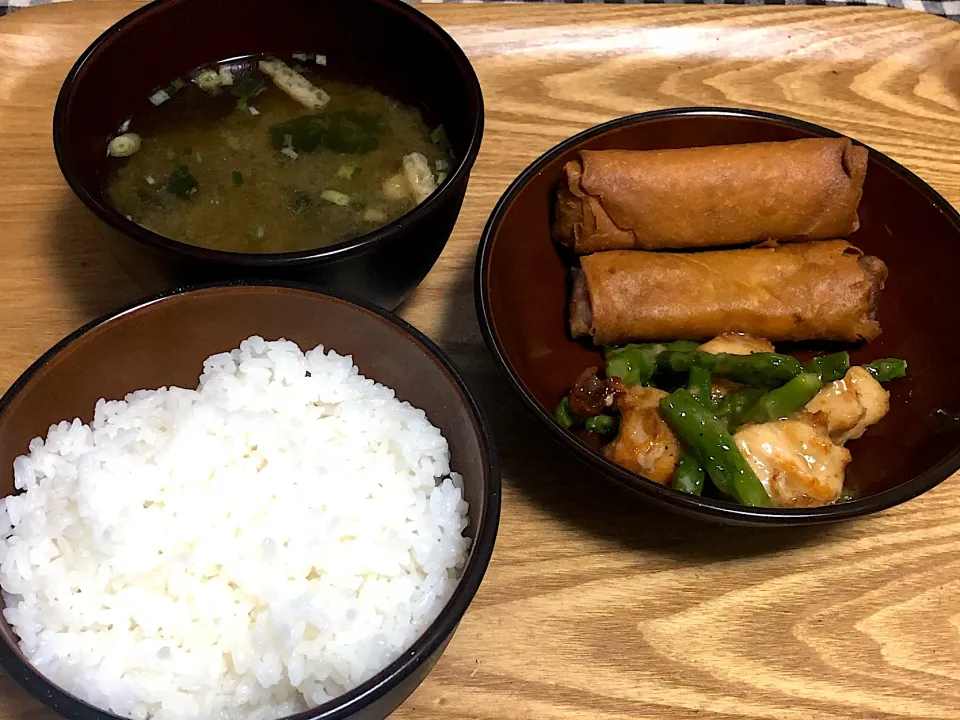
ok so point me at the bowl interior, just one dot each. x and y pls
(916, 233)
(383, 44)
(165, 342)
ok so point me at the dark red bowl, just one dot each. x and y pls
(522, 289)
(164, 341)
(385, 44)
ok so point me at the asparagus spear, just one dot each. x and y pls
(708, 441)
(564, 415)
(829, 367)
(699, 384)
(887, 369)
(689, 476)
(783, 402)
(633, 364)
(733, 408)
(766, 370)
(602, 424)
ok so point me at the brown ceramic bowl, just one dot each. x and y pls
(522, 289)
(385, 44)
(164, 341)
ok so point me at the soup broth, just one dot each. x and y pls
(229, 159)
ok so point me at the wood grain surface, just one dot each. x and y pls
(596, 606)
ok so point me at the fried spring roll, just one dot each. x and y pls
(710, 196)
(814, 291)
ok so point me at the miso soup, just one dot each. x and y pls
(259, 155)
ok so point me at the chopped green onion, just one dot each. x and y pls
(173, 88)
(159, 97)
(441, 176)
(439, 136)
(237, 177)
(346, 171)
(337, 198)
(208, 80)
(124, 145)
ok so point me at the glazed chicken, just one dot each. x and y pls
(645, 443)
(801, 462)
(795, 460)
(851, 405)
(737, 344)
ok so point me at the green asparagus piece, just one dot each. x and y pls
(887, 369)
(733, 408)
(765, 370)
(633, 364)
(680, 361)
(564, 415)
(699, 384)
(783, 402)
(847, 495)
(829, 367)
(602, 424)
(682, 345)
(689, 476)
(708, 441)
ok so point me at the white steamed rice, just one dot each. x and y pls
(248, 549)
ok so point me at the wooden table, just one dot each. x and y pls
(596, 606)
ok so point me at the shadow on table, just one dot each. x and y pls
(81, 263)
(557, 483)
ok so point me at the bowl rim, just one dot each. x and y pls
(707, 508)
(431, 639)
(338, 251)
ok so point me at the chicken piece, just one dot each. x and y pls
(734, 344)
(645, 444)
(795, 460)
(851, 405)
(737, 344)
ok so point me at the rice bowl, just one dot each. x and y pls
(248, 549)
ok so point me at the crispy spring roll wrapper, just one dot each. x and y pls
(812, 291)
(710, 196)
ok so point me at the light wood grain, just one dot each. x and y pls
(596, 606)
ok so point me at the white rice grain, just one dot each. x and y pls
(244, 550)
